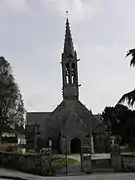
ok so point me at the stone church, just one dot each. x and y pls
(71, 125)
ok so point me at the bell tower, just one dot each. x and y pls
(69, 67)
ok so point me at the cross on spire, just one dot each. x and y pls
(68, 44)
(67, 14)
(69, 66)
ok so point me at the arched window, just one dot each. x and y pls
(67, 73)
(73, 73)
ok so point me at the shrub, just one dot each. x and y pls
(6, 139)
(45, 171)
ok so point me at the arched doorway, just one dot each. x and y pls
(75, 145)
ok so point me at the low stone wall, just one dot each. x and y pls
(119, 162)
(39, 164)
(128, 163)
(26, 163)
(123, 162)
(34, 164)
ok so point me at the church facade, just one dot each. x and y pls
(71, 125)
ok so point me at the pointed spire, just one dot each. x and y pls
(68, 44)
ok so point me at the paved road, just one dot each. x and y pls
(111, 176)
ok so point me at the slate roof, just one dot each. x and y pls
(71, 110)
(62, 117)
(37, 117)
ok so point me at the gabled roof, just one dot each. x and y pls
(71, 110)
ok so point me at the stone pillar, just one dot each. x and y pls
(116, 160)
(44, 165)
(65, 145)
(86, 164)
(92, 144)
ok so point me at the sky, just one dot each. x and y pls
(32, 38)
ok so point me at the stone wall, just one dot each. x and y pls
(123, 162)
(34, 164)
(128, 163)
(116, 161)
(26, 163)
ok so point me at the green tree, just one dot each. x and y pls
(109, 117)
(11, 104)
(130, 96)
(120, 121)
(130, 130)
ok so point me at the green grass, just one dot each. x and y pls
(129, 153)
(32, 153)
(57, 164)
(59, 155)
(62, 162)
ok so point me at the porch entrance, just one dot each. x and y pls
(75, 146)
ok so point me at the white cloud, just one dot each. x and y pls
(78, 9)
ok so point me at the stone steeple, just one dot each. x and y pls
(70, 119)
(69, 67)
(68, 44)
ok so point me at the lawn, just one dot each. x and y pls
(62, 162)
(128, 153)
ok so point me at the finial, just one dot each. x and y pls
(67, 14)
